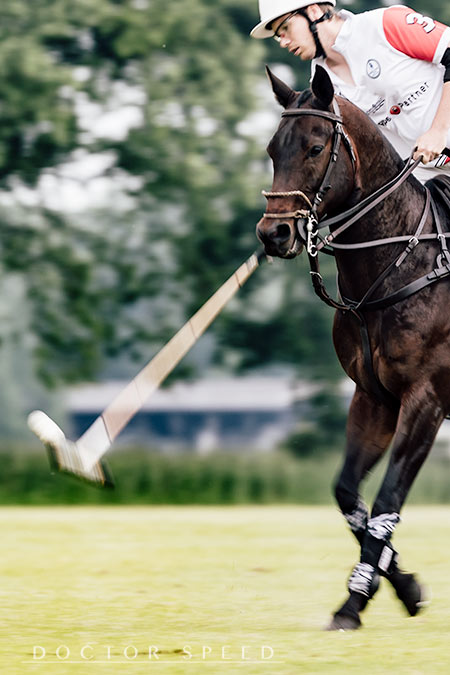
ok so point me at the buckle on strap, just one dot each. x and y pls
(439, 272)
(412, 243)
(442, 240)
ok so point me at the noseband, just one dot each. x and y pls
(310, 214)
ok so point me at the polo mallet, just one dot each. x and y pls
(82, 458)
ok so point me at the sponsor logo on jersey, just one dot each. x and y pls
(414, 96)
(373, 69)
(376, 106)
(408, 101)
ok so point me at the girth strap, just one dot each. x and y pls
(377, 388)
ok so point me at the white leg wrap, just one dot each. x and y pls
(361, 579)
(383, 526)
(358, 518)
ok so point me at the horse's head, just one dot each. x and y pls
(313, 172)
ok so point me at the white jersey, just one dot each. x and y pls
(394, 57)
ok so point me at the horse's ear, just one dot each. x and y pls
(283, 93)
(322, 87)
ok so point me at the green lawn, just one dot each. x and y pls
(111, 579)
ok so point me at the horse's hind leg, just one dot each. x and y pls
(419, 420)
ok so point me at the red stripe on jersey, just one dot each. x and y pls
(412, 33)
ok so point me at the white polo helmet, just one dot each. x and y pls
(269, 10)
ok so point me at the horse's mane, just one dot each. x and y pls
(303, 97)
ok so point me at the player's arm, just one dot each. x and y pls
(421, 37)
(431, 144)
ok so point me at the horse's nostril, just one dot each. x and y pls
(275, 235)
(282, 233)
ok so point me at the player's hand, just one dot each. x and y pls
(430, 145)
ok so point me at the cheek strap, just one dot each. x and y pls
(320, 52)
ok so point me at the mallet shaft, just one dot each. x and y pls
(98, 438)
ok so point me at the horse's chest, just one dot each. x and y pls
(348, 346)
(366, 354)
(401, 352)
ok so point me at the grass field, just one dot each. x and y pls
(248, 588)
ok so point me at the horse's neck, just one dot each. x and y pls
(398, 214)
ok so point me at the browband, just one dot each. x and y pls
(296, 112)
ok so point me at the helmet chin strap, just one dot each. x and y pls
(320, 51)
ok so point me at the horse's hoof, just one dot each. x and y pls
(411, 594)
(343, 623)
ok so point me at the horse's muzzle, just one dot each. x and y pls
(280, 238)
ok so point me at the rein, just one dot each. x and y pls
(308, 224)
(308, 219)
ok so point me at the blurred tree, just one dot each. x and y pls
(322, 428)
(57, 58)
(438, 9)
(180, 82)
(124, 278)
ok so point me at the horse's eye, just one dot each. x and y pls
(315, 150)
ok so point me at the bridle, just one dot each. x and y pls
(308, 219)
(310, 215)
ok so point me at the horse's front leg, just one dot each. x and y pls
(369, 431)
(370, 428)
(418, 423)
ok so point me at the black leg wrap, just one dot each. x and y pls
(379, 552)
(408, 591)
(378, 558)
(376, 549)
(362, 585)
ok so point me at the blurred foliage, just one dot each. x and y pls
(322, 429)
(194, 168)
(191, 166)
(437, 9)
(144, 477)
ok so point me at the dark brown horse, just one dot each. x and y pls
(334, 168)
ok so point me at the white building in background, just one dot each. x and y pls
(254, 413)
(248, 413)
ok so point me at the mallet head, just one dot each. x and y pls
(65, 455)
